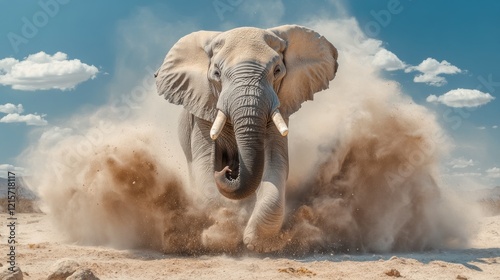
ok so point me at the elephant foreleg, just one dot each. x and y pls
(200, 161)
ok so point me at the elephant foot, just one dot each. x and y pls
(266, 243)
(224, 235)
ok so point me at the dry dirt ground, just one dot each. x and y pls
(40, 246)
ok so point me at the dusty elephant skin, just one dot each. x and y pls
(238, 89)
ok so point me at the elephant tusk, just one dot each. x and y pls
(280, 123)
(218, 125)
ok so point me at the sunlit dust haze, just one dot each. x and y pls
(363, 169)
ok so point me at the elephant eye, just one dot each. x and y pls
(277, 70)
(216, 72)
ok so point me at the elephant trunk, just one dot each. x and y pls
(249, 113)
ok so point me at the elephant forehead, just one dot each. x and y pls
(247, 43)
(252, 34)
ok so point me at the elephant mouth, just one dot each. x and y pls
(233, 163)
(225, 153)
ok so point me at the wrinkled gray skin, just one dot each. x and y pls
(247, 73)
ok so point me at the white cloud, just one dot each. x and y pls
(461, 163)
(431, 70)
(6, 64)
(462, 98)
(42, 71)
(495, 127)
(30, 119)
(432, 98)
(467, 174)
(493, 172)
(4, 168)
(387, 60)
(14, 115)
(10, 108)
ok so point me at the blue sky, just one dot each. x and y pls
(61, 58)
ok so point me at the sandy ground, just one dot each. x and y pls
(40, 246)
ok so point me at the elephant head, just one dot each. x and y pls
(248, 77)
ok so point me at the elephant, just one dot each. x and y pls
(238, 89)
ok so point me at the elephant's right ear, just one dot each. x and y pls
(182, 78)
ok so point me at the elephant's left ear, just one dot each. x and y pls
(311, 63)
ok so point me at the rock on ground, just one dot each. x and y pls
(62, 269)
(83, 274)
(6, 274)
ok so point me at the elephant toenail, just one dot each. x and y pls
(250, 247)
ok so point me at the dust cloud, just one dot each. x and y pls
(364, 176)
(372, 182)
(118, 195)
